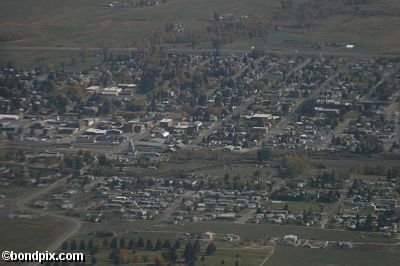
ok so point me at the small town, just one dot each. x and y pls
(176, 132)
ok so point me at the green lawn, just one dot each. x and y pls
(91, 23)
(245, 231)
(25, 235)
(298, 205)
(245, 257)
(339, 257)
(103, 257)
(15, 192)
(238, 169)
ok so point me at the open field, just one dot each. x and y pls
(340, 29)
(24, 235)
(103, 256)
(299, 205)
(92, 23)
(246, 257)
(14, 192)
(321, 257)
(238, 169)
(245, 231)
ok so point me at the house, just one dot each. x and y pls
(67, 130)
(228, 148)
(9, 117)
(95, 131)
(166, 123)
(41, 204)
(289, 240)
(208, 236)
(260, 130)
(87, 122)
(111, 91)
(138, 128)
(127, 89)
(93, 89)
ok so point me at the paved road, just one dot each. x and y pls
(385, 77)
(239, 109)
(168, 212)
(268, 257)
(332, 209)
(246, 216)
(243, 106)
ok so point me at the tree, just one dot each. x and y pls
(64, 245)
(157, 261)
(105, 243)
(158, 245)
(82, 245)
(264, 154)
(73, 245)
(286, 207)
(20, 156)
(216, 44)
(172, 255)
(91, 245)
(295, 164)
(177, 244)
(131, 244)
(211, 249)
(102, 159)
(114, 243)
(389, 174)
(123, 255)
(148, 80)
(196, 247)
(140, 243)
(189, 253)
(149, 245)
(122, 243)
(169, 26)
(105, 54)
(167, 244)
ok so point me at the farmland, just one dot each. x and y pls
(201, 132)
(94, 24)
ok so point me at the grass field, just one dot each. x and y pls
(15, 192)
(91, 23)
(298, 205)
(26, 235)
(245, 231)
(246, 257)
(322, 257)
(103, 257)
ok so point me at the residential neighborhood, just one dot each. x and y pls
(200, 133)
